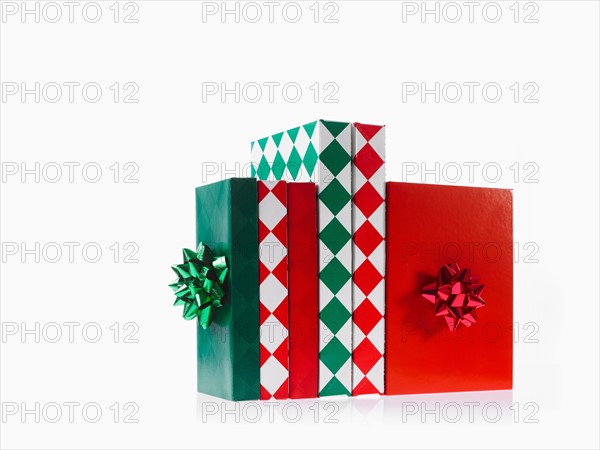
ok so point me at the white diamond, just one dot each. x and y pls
(272, 375)
(272, 293)
(271, 211)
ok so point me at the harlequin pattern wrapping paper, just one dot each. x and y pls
(368, 245)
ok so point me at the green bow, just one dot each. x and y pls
(199, 282)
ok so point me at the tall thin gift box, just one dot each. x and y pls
(303, 289)
(273, 289)
(368, 245)
(321, 152)
(228, 351)
(449, 289)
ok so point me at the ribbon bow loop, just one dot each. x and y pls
(455, 295)
(199, 284)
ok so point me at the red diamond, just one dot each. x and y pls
(368, 131)
(264, 354)
(366, 316)
(263, 272)
(282, 392)
(365, 387)
(367, 238)
(280, 191)
(263, 313)
(367, 199)
(366, 277)
(367, 161)
(365, 356)
(281, 272)
(263, 231)
(281, 313)
(280, 231)
(263, 190)
(281, 354)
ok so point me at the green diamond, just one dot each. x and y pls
(310, 159)
(334, 236)
(294, 163)
(335, 275)
(310, 128)
(334, 387)
(293, 134)
(334, 196)
(263, 169)
(278, 166)
(263, 143)
(334, 315)
(335, 128)
(277, 138)
(334, 355)
(335, 157)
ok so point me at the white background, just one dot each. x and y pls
(171, 133)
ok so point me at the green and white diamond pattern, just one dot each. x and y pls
(321, 152)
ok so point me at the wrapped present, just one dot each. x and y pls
(368, 244)
(321, 152)
(273, 289)
(449, 289)
(303, 290)
(228, 341)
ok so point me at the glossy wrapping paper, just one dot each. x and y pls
(228, 350)
(429, 227)
(303, 284)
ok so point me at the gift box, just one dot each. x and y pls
(321, 152)
(368, 245)
(449, 289)
(228, 350)
(273, 289)
(303, 290)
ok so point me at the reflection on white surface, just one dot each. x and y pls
(454, 407)
(463, 407)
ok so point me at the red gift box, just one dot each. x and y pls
(303, 288)
(448, 340)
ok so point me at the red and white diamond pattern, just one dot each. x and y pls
(368, 221)
(273, 289)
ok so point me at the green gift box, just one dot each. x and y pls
(228, 350)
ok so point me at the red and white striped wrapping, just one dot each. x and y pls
(273, 289)
(368, 290)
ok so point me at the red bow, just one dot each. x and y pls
(456, 295)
